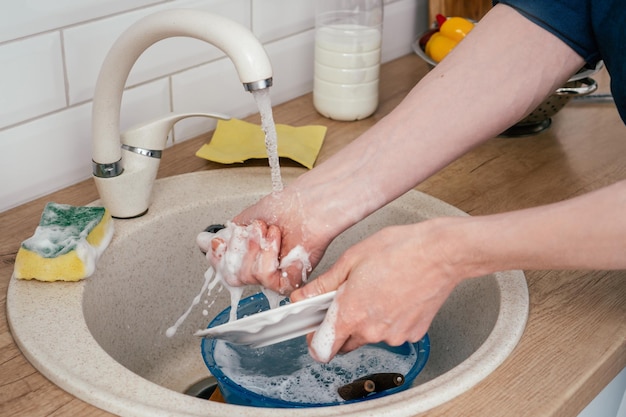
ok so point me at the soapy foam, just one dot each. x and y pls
(90, 255)
(324, 338)
(285, 371)
(297, 254)
(226, 266)
(226, 269)
(208, 275)
(230, 257)
(63, 229)
(273, 298)
(235, 297)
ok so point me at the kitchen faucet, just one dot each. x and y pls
(125, 165)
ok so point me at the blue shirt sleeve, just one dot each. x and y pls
(594, 29)
(569, 20)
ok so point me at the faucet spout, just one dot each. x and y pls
(236, 41)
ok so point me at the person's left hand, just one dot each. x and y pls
(391, 286)
(244, 255)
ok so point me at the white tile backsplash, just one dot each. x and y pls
(144, 103)
(274, 19)
(55, 151)
(32, 81)
(87, 45)
(51, 52)
(214, 87)
(23, 18)
(44, 155)
(404, 21)
(292, 62)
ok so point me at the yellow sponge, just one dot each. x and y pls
(66, 244)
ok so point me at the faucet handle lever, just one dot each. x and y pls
(126, 192)
(152, 136)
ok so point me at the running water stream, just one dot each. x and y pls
(264, 103)
(216, 273)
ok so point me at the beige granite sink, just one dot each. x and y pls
(103, 339)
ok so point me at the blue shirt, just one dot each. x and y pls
(592, 28)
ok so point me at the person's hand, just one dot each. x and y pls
(391, 285)
(243, 255)
(273, 243)
(299, 234)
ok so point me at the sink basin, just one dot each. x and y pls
(103, 339)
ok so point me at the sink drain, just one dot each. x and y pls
(203, 388)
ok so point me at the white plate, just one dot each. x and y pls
(276, 325)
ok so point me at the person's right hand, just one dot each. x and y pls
(389, 288)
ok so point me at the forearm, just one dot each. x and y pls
(587, 232)
(473, 95)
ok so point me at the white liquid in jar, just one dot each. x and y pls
(347, 65)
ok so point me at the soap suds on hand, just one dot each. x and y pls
(297, 254)
(226, 250)
(324, 338)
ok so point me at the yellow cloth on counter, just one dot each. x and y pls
(236, 141)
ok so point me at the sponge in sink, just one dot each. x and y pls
(66, 244)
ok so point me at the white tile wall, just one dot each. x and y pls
(94, 39)
(268, 23)
(25, 90)
(46, 154)
(51, 52)
(144, 102)
(213, 87)
(25, 18)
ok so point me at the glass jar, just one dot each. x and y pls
(348, 39)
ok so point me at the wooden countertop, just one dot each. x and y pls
(574, 343)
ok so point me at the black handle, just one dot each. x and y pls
(362, 387)
(214, 228)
